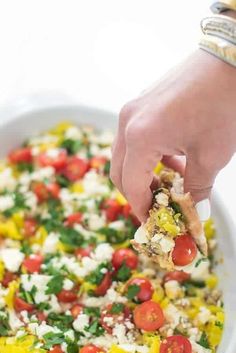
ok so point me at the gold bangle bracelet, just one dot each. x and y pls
(220, 6)
(220, 48)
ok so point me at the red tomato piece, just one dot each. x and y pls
(185, 250)
(114, 318)
(58, 162)
(73, 219)
(41, 316)
(112, 209)
(146, 290)
(83, 252)
(75, 168)
(67, 296)
(104, 285)
(179, 276)
(91, 348)
(56, 349)
(33, 263)
(76, 310)
(7, 278)
(29, 227)
(21, 155)
(176, 344)
(97, 162)
(54, 190)
(126, 256)
(20, 305)
(127, 213)
(148, 316)
(45, 191)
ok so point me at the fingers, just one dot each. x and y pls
(137, 178)
(199, 181)
(175, 162)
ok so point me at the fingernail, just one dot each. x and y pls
(203, 209)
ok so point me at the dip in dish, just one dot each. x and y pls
(70, 281)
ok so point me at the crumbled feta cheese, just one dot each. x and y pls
(40, 282)
(173, 315)
(103, 252)
(42, 329)
(105, 138)
(43, 173)
(117, 225)
(166, 243)
(81, 322)
(95, 221)
(94, 184)
(173, 289)
(54, 305)
(31, 201)
(70, 335)
(14, 322)
(199, 349)
(50, 244)
(7, 181)
(119, 331)
(105, 152)
(203, 316)
(53, 152)
(68, 284)
(12, 258)
(3, 293)
(73, 133)
(6, 202)
(198, 269)
(162, 199)
(141, 236)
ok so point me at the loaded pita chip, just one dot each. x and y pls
(173, 235)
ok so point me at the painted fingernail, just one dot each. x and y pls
(203, 209)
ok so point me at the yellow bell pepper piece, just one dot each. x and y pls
(158, 168)
(120, 199)
(123, 245)
(209, 229)
(21, 345)
(212, 281)
(115, 349)
(61, 128)
(64, 247)
(214, 334)
(2, 269)
(158, 295)
(165, 220)
(153, 341)
(87, 286)
(18, 218)
(77, 188)
(40, 236)
(9, 298)
(164, 303)
(9, 230)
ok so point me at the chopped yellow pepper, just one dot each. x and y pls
(1, 270)
(12, 288)
(9, 230)
(158, 168)
(22, 345)
(209, 229)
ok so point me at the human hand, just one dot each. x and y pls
(190, 112)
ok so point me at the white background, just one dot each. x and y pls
(101, 52)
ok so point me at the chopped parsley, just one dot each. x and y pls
(4, 325)
(90, 311)
(124, 273)
(55, 285)
(63, 322)
(71, 237)
(219, 324)
(95, 328)
(117, 308)
(72, 146)
(19, 204)
(51, 339)
(199, 261)
(204, 341)
(97, 275)
(133, 290)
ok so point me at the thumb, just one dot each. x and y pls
(198, 181)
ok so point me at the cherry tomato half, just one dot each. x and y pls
(91, 348)
(112, 209)
(73, 219)
(76, 310)
(125, 256)
(146, 290)
(127, 213)
(97, 162)
(29, 227)
(109, 319)
(84, 252)
(45, 191)
(21, 155)
(56, 349)
(185, 250)
(7, 278)
(33, 263)
(148, 316)
(41, 316)
(67, 296)
(176, 344)
(58, 162)
(75, 168)
(104, 285)
(20, 305)
(179, 276)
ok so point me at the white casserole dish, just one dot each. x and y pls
(30, 116)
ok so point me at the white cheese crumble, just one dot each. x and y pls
(117, 225)
(73, 133)
(81, 322)
(6, 202)
(42, 329)
(50, 244)
(173, 290)
(141, 235)
(162, 199)
(198, 268)
(53, 152)
(40, 282)
(7, 181)
(203, 316)
(103, 252)
(68, 284)
(95, 221)
(173, 315)
(132, 348)
(166, 243)
(14, 322)
(12, 259)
